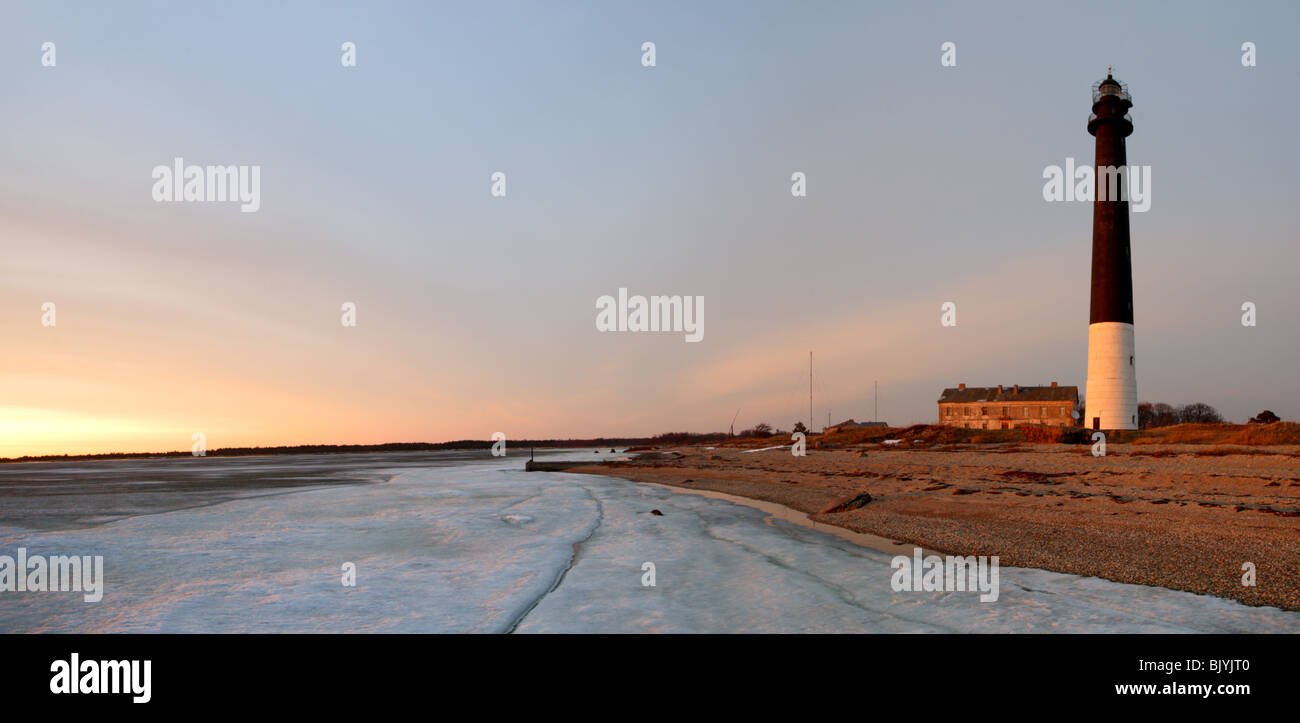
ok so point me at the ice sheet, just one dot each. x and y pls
(484, 547)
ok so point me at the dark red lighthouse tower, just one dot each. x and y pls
(1111, 397)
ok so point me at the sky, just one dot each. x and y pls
(476, 313)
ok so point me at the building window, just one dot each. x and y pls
(1042, 412)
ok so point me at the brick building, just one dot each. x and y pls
(1007, 407)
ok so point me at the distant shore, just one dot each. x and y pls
(1174, 516)
(515, 447)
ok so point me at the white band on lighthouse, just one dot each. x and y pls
(1111, 396)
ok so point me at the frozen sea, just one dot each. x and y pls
(464, 542)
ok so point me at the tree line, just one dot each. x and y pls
(1159, 414)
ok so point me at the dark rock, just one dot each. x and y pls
(861, 500)
(656, 512)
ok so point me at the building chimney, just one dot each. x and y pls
(1053, 385)
(999, 389)
(1016, 387)
(962, 386)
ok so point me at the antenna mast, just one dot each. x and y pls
(810, 413)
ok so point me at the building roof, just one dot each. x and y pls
(851, 423)
(1009, 393)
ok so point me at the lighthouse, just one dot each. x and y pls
(1111, 395)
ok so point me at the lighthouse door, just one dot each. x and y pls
(1096, 422)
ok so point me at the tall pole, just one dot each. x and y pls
(810, 416)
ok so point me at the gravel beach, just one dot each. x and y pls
(1184, 517)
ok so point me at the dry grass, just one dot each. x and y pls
(920, 434)
(1243, 434)
(1043, 434)
(927, 435)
